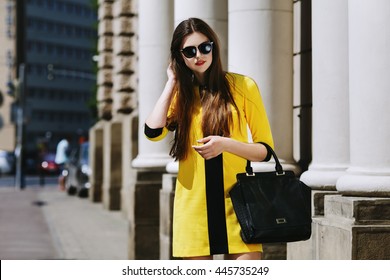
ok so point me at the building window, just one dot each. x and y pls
(50, 48)
(50, 4)
(69, 8)
(69, 30)
(60, 6)
(40, 47)
(60, 28)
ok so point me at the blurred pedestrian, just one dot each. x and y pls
(62, 154)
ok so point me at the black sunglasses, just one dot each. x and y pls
(204, 48)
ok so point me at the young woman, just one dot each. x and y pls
(209, 111)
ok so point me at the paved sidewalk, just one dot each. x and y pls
(24, 233)
(45, 223)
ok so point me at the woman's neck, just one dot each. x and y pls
(200, 78)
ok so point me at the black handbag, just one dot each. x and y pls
(272, 206)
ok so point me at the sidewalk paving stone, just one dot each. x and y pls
(45, 223)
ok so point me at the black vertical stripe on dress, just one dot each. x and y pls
(215, 197)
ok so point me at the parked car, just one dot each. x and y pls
(7, 162)
(77, 171)
(48, 166)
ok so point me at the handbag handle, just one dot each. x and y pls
(278, 166)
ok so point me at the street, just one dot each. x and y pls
(42, 222)
(31, 181)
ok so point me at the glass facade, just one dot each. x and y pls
(59, 43)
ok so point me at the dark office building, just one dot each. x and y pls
(59, 47)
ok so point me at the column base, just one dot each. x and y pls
(129, 152)
(323, 177)
(167, 195)
(112, 197)
(364, 183)
(151, 161)
(274, 251)
(144, 238)
(270, 166)
(112, 164)
(95, 192)
(96, 162)
(353, 228)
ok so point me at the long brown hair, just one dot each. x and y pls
(216, 103)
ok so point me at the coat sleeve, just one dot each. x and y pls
(255, 113)
(157, 134)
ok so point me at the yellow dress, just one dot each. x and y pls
(204, 222)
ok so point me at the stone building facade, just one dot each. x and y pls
(324, 85)
(8, 74)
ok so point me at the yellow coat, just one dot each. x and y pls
(192, 222)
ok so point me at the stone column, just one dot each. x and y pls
(129, 151)
(369, 60)
(363, 221)
(330, 140)
(124, 83)
(155, 32)
(123, 141)
(261, 46)
(112, 164)
(104, 98)
(8, 74)
(96, 161)
(330, 94)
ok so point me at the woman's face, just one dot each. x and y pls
(201, 61)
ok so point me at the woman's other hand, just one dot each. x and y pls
(211, 146)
